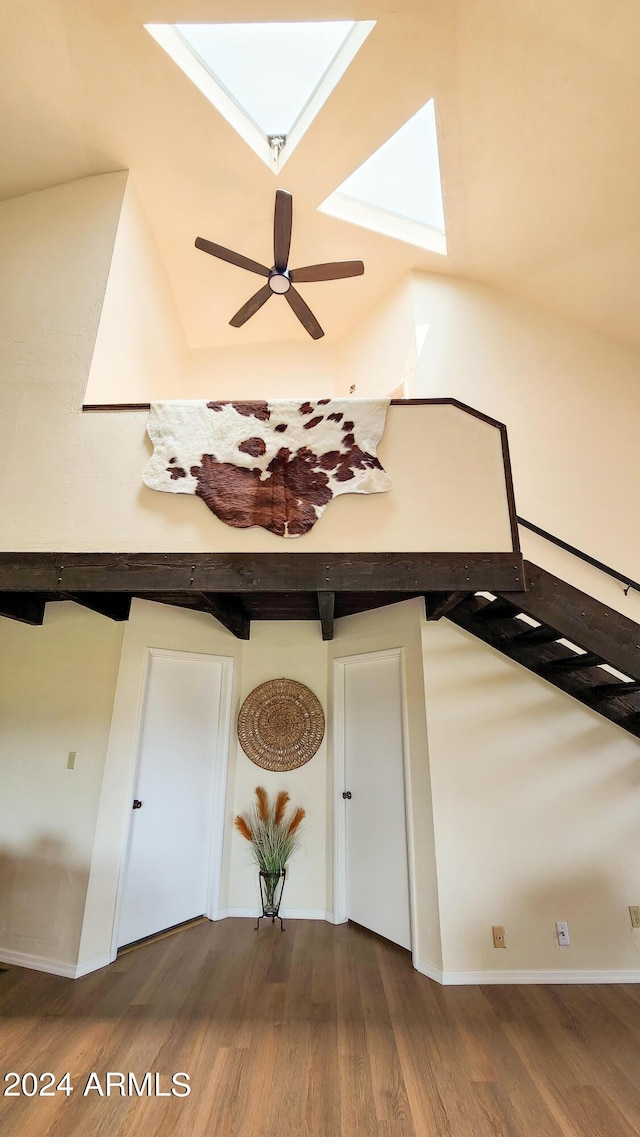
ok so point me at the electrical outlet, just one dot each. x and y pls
(634, 912)
(498, 936)
(562, 932)
(71, 760)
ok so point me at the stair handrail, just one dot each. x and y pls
(583, 556)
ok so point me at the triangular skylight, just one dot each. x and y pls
(268, 80)
(397, 191)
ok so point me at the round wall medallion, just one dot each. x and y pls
(280, 725)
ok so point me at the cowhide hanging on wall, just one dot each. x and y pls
(274, 464)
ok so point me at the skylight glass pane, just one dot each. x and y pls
(403, 176)
(270, 70)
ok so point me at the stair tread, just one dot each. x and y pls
(572, 663)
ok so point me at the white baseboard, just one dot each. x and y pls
(53, 966)
(92, 965)
(286, 913)
(38, 963)
(453, 978)
(427, 969)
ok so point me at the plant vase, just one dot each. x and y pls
(271, 889)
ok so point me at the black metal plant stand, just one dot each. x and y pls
(271, 889)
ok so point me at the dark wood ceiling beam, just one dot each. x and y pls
(24, 607)
(326, 608)
(230, 612)
(437, 604)
(114, 605)
(260, 572)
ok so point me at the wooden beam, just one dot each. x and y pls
(114, 605)
(571, 663)
(326, 606)
(260, 572)
(632, 723)
(438, 604)
(230, 612)
(535, 637)
(25, 607)
(580, 618)
(611, 691)
(498, 609)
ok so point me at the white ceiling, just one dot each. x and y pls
(537, 102)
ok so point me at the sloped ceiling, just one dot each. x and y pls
(537, 106)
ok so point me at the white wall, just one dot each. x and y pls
(57, 684)
(536, 820)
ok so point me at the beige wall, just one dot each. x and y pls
(380, 352)
(580, 574)
(399, 626)
(521, 801)
(448, 494)
(140, 342)
(57, 685)
(292, 650)
(535, 809)
(570, 399)
(73, 480)
(141, 354)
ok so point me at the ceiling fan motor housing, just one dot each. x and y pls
(279, 281)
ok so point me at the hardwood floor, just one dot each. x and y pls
(318, 1031)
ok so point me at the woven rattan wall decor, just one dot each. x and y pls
(280, 725)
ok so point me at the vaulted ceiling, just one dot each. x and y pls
(537, 106)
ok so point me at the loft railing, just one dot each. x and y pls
(578, 553)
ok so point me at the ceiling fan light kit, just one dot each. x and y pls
(280, 278)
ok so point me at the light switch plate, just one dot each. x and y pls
(634, 912)
(71, 760)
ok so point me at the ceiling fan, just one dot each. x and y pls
(281, 278)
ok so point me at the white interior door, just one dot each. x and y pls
(377, 869)
(167, 870)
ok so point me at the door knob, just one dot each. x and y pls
(137, 804)
(347, 795)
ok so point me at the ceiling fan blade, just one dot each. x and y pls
(251, 307)
(228, 255)
(304, 314)
(282, 222)
(335, 270)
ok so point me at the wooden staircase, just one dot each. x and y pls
(583, 647)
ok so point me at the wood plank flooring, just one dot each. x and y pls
(317, 1031)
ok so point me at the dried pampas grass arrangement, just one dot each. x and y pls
(272, 837)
